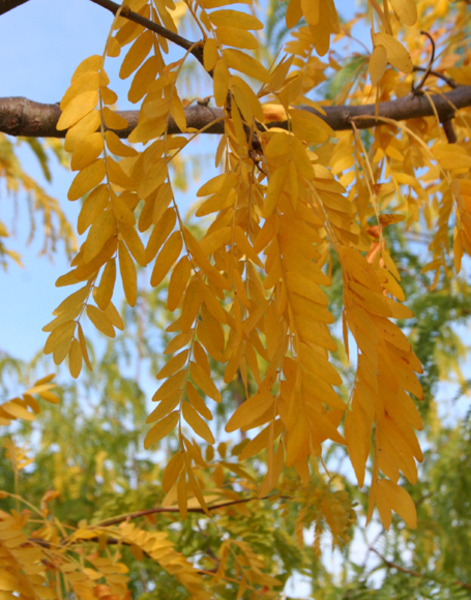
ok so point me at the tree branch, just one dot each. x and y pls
(159, 509)
(22, 117)
(195, 48)
(392, 565)
(6, 5)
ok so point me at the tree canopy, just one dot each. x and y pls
(298, 321)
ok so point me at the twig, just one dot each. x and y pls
(416, 89)
(451, 82)
(153, 511)
(195, 48)
(392, 565)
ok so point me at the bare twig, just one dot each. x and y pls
(451, 82)
(393, 565)
(429, 67)
(195, 48)
(159, 509)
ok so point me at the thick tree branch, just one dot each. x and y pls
(22, 117)
(6, 5)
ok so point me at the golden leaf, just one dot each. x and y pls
(161, 429)
(127, 269)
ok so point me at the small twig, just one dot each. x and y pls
(427, 71)
(153, 511)
(393, 565)
(195, 48)
(451, 82)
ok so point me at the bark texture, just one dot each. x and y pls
(23, 117)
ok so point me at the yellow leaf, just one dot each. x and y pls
(397, 54)
(234, 18)
(113, 315)
(117, 175)
(221, 79)
(249, 95)
(75, 359)
(182, 498)
(100, 320)
(219, 184)
(91, 63)
(87, 81)
(134, 243)
(204, 381)
(165, 407)
(399, 500)
(275, 188)
(240, 38)
(196, 423)
(318, 364)
(235, 59)
(127, 269)
(113, 120)
(161, 429)
(172, 471)
(451, 156)
(310, 10)
(83, 347)
(136, 54)
(166, 258)
(87, 179)
(116, 146)
(80, 106)
(309, 127)
(294, 13)
(377, 64)
(160, 233)
(100, 232)
(104, 292)
(49, 397)
(84, 127)
(250, 410)
(64, 332)
(173, 365)
(406, 10)
(86, 151)
(191, 304)
(210, 54)
(198, 402)
(18, 411)
(178, 281)
(212, 241)
(177, 112)
(216, 203)
(169, 387)
(93, 206)
(71, 301)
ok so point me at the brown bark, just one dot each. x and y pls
(6, 5)
(22, 117)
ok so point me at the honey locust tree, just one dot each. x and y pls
(320, 159)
